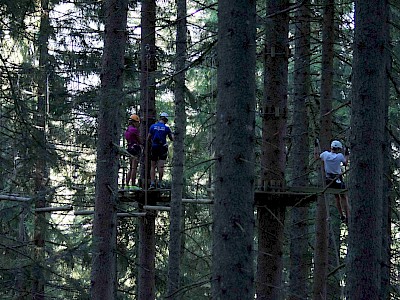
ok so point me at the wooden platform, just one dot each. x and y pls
(290, 196)
(283, 198)
(152, 198)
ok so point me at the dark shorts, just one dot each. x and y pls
(158, 153)
(335, 182)
(134, 150)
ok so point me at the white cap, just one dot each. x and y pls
(164, 115)
(336, 144)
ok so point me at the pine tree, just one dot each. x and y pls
(271, 219)
(103, 274)
(299, 158)
(368, 147)
(179, 154)
(233, 228)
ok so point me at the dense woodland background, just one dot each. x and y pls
(245, 117)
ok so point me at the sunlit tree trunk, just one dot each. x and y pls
(233, 245)
(369, 105)
(103, 275)
(300, 259)
(179, 154)
(271, 219)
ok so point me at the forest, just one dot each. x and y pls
(254, 91)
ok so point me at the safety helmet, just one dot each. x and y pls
(336, 144)
(135, 118)
(164, 115)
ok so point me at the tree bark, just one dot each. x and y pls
(321, 223)
(368, 147)
(273, 161)
(147, 251)
(300, 259)
(387, 183)
(103, 275)
(179, 155)
(147, 246)
(148, 66)
(41, 173)
(232, 270)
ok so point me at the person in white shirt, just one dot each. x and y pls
(333, 161)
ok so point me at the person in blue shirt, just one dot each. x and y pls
(159, 148)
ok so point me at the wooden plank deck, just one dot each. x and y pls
(292, 196)
(283, 198)
(289, 196)
(153, 196)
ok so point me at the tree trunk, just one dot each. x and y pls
(147, 250)
(179, 155)
(147, 246)
(388, 174)
(300, 259)
(41, 173)
(271, 219)
(103, 275)
(148, 66)
(368, 147)
(20, 276)
(233, 246)
(321, 223)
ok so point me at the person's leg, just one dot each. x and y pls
(153, 165)
(129, 174)
(339, 206)
(160, 167)
(345, 205)
(161, 164)
(135, 162)
(153, 171)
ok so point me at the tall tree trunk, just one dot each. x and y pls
(388, 174)
(368, 147)
(321, 223)
(148, 66)
(41, 168)
(20, 276)
(179, 154)
(147, 246)
(147, 251)
(271, 219)
(300, 259)
(233, 246)
(103, 276)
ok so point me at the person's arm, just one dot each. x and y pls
(139, 138)
(171, 136)
(346, 156)
(316, 150)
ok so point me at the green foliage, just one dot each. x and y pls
(71, 132)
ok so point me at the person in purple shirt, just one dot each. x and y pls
(134, 148)
(158, 134)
